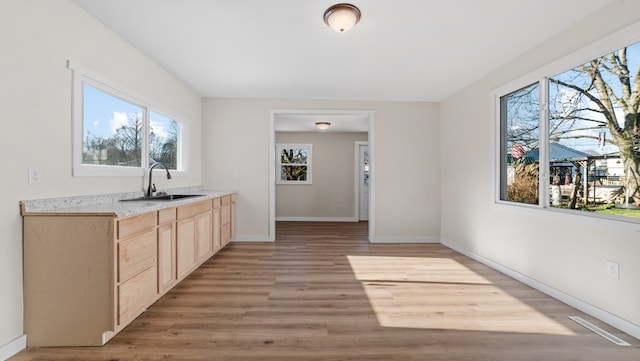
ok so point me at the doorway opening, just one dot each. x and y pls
(342, 122)
(361, 178)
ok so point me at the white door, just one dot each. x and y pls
(363, 184)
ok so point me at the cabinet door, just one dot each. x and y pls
(203, 236)
(225, 220)
(233, 215)
(186, 246)
(167, 274)
(216, 225)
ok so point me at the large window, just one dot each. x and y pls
(117, 134)
(579, 149)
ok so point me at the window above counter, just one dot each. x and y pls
(116, 133)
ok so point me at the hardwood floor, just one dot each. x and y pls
(322, 292)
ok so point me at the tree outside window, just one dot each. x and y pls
(591, 136)
(164, 135)
(114, 129)
(293, 163)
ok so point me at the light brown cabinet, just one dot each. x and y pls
(136, 254)
(166, 233)
(135, 295)
(87, 276)
(233, 215)
(136, 266)
(204, 241)
(225, 220)
(217, 245)
(194, 236)
(69, 280)
(186, 247)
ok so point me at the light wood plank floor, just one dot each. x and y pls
(322, 292)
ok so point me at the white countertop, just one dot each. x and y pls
(111, 204)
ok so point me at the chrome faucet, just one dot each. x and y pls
(152, 187)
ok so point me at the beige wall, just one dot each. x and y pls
(407, 156)
(566, 252)
(331, 194)
(37, 39)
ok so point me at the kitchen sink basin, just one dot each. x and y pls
(163, 197)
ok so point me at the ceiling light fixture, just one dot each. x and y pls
(342, 17)
(323, 125)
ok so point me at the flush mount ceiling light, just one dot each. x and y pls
(342, 17)
(323, 125)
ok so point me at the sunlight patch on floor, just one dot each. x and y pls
(441, 293)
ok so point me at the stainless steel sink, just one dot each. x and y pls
(162, 197)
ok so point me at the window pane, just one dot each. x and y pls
(520, 126)
(112, 130)
(164, 136)
(293, 156)
(293, 173)
(595, 135)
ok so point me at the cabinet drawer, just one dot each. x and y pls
(166, 215)
(191, 210)
(137, 224)
(216, 203)
(226, 200)
(136, 294)
(136, 254)
(225, 215)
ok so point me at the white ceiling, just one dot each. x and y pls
(402, 50)
(305, 121)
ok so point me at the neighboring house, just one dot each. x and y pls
(603, 171)
(609, 166)
(563, 161)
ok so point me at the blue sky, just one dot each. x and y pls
(103, 114)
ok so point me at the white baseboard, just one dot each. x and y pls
(598, 313)
(13, 347)
(317, 219)
(404, 240)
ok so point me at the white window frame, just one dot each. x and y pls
(608, 44)
(83, 76)
(279, 148)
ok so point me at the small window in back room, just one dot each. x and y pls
(293, 163)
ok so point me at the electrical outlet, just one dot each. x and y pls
(35, 175)
(613, 269)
